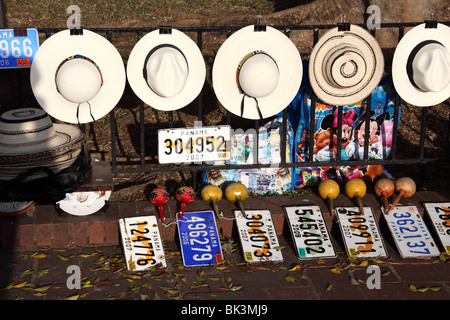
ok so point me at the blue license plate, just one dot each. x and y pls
(16, 51)
(200, 242)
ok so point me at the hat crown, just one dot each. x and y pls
(258, 75)
(78, 79)
(26, 127)
(167, 71)
(431, 68)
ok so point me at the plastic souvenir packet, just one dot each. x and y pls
(352, 135)
(242, 151)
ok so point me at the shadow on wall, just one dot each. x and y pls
(280, 5)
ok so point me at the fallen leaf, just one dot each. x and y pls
(156, 296)
(364, 263)
(435, 289)
(20, 285)
(328, 287)
(42, 289)
(65, 258)
(412, 288)
(74, 297)
(235, 288)
(296, 268)
(290, 279)
(38, 255)
(336, 270)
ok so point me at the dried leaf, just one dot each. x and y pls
(364, 263)
(20, 285)
(74, 297)
(169, 290)
(435, 289)
(336, 270)
(156, 296)
(290, 279)
(42, 289)
(38, 255)
(412, 288)
(296, 268)
(354, 281)
(425, 289)
(328, 287)
(235, 288)
(65, 258)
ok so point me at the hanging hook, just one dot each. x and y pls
(343, 26)
(431, 23)
(259, 26)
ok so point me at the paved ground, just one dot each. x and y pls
(40, 272)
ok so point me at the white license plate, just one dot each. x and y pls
(361, 234)
(258, 236)
(142, 243)
(410, 232)
(439, 214)
(309, 231)
(188, 145)
(200, 242)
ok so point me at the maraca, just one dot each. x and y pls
(212, 193)
(237, 192)
(384, 188)
(356, 188)
(185, 195)
(406, 187)
(159, 197)
(329, 190)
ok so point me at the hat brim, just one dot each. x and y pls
(244, 41)
(360, 39)
(67, 137)
(56, 49)
(405, 89)
(196, 64)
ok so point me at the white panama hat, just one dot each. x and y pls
(345, 66)
(166, 70)
(257, 73)
(77, 78)
(421, 65)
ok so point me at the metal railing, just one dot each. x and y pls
(145, 166)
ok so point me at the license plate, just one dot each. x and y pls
(17, 52)
(309, 231)
(361, 234)
(142, 243)
(258, 236)
(410, 232)
(439, 214)
(200, 242)
(188, 145)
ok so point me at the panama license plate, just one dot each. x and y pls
(18, 51)
(142, 243)
(410, 233)
(310, 232)
(439, 214)
(258, 236)
(186, 145)
(361, 233)
(200, 242)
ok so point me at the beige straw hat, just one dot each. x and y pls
(345, 66)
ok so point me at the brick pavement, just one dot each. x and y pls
(83, 241)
